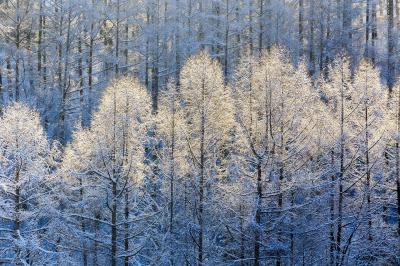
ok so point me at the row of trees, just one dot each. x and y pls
(269, 169)
(58, 55)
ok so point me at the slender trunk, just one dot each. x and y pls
(258, 217)
(31, 70)
(17, 59)
(95, 245)
(367, 27)
(341, 174)
(281, 173)
(242, 236)
(116, 63)
(321, 46)
(347, 11)
(9, 80)
(83, 227)
(216, 46)
(1, 92)
(43, 53)
(114, 225)
(146, 67)
(311, 55)
(114, 192)
(126, 240)
(200, 37)
(398, 165)
(332, 212)
(368, 172)
(17, 85)
(81, 88)
(66, 81)
(301, 29)
(374, 31)
(40, 36)
(17, 213)
(251, 45)
(226, 40)
(202, 177)
(172, 179)
(155, 78)
(126, 50)
(390, 63)
(291, 233)
(177, 43)
(386, 174)
(90, 70)
(238, 32)
(398, 201)
(327, 44)
(260, 26)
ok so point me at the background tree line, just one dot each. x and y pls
(58, 55)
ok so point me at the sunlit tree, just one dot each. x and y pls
(208, 111)
(106, 163)
(24, 188)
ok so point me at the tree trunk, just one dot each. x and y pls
(201, 34)
(40, 38)
(202, 177)
(9, 80)
(332, 245)
(172, 179)
(260, 26)
(347, 10)
(251, 44)
(368, 172)
(83, 227)
(81, 87)
(311, 52)
(226, 40)
(146, 66)
(90, 70)
(257, 239)
(95, 245)
(17, 213)
(114, 225)
(126, 240)
(374, 32)
(126, 51)
(301, 26)
(397, 169)
(390, 63)
(116, 63)
(17, 44)
(341, 174)
(367, 27)
(281, 175)
(242, 236)
(1, 92)
(177, 43)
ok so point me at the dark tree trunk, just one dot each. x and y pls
(390, 63)
(257, 239)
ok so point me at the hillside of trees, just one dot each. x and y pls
(199, 132)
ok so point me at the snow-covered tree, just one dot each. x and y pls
(369, 126)
(171, 129)
(208, 111)
(25, 165)
(105, 168)
(275, 105)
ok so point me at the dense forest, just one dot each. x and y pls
(199, 132)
